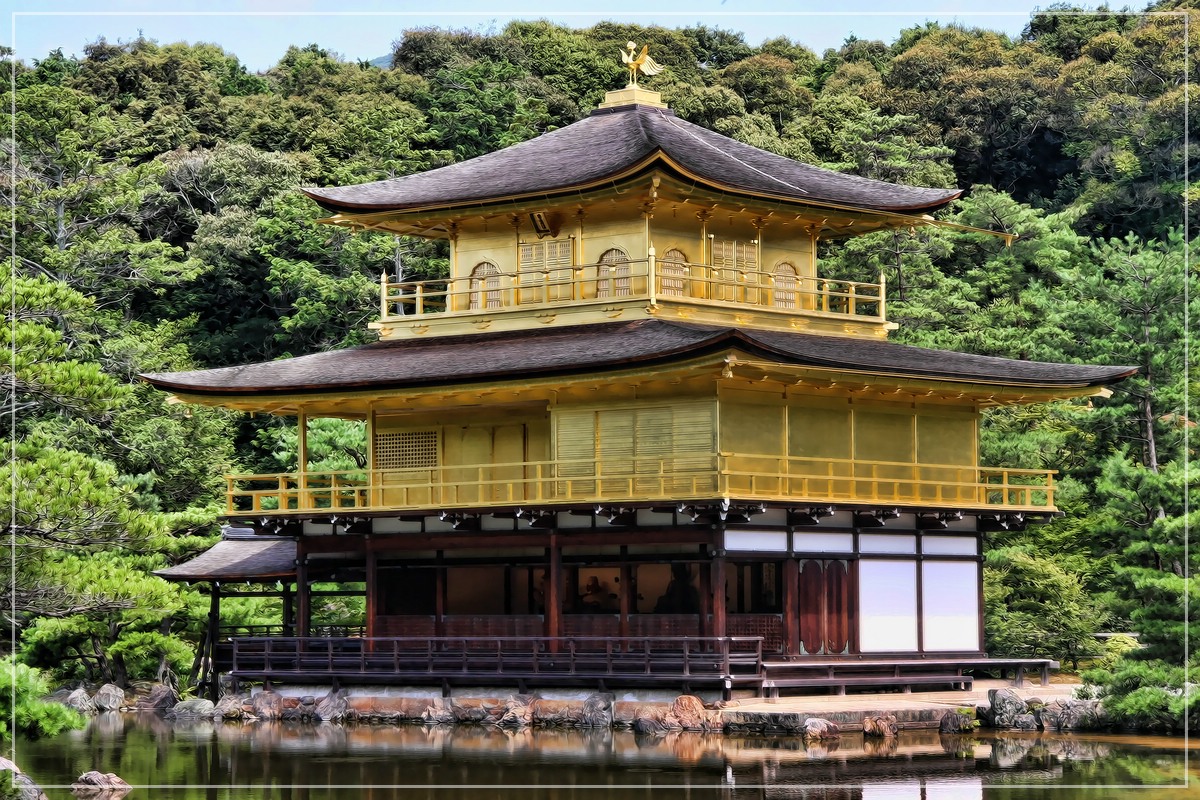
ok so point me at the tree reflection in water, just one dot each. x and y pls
(292, 761)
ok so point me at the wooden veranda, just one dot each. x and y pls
(680, 663)
(687, 664)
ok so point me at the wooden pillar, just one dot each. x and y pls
(214, 611)
(554, 590)
(439, 600)
(302, 595)
(210, 677)
(515, 221)
(302, 442)
(716, 579)
(706, 603)
(791, 606)
(374, 493)
(628, 596)
(372, 590)
(580, 256)
(452, 230)
(302, 460)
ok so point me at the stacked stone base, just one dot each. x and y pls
(1005, 711)
(597, 710)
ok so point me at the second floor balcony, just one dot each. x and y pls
(735, 476)
(781, 299)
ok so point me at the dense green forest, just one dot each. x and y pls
(158, 227)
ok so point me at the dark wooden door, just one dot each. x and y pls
(824, 595)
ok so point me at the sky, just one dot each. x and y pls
(258, 32)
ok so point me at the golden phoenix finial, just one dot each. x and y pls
(643, 62)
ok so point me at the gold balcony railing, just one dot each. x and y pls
(647, 280)
(679, 477)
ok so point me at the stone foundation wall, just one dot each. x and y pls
(647, 712)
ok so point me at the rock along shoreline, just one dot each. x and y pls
(1005, 710)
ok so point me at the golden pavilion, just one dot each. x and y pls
(634, 438)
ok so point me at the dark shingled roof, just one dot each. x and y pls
(238, 557)
(611, 142)
(605, 346)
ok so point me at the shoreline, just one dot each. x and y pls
(991, 704)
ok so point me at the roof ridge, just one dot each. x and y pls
(731, 156)
(646, 137)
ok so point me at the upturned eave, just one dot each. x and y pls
(615, 142)
(830, 220)
(644, 349)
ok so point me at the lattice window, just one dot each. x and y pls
(768, 626)
(485, 287)
(673, 269)
(544, 270)
(732, 254)
(406, 450)
(785, 286)
(612, 274)
(657, 440)
(576, 436)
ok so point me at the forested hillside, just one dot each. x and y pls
(158, 227)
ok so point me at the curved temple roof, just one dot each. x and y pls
(238, 558)
(615, 142)
(590, 348)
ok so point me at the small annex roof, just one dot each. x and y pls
(413, 363)
(616, 142)
(241, 555)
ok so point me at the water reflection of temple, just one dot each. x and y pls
(301, 762)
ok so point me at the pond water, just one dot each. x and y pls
(202, 760)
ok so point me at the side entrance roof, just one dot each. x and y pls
(241, 555)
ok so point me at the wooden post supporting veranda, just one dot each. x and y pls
(791, 606)
(716, 580)
(303, 597)
(554, 592)
(371, 590)
(303, 500)
(627, 596)
(214, 625)
(439, 598)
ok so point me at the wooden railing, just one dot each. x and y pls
(679, 477)
(646, 280)
(646, 658)
(337, 631)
